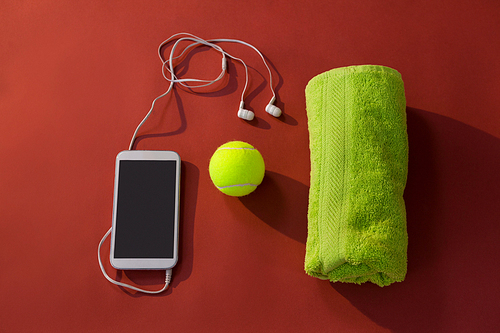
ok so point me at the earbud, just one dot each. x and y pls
(168, 69)
(245, 114)
(272, 109)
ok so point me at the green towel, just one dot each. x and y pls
(359, 165)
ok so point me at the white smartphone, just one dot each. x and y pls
(145, 210)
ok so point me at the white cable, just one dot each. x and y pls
(197, 41)
(192, 83)
(189, 83)
(168, 273)
(260, 54)
(131, 145)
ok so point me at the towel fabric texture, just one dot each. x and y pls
(359, 165)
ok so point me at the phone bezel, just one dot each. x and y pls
(146, 263)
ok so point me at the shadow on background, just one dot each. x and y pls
(452, 200)
(281, 202)
(158, 116)
(154, 280)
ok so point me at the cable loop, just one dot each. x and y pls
(168, 67)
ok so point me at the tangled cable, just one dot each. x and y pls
(168, 71)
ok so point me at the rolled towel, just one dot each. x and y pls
(359, 165)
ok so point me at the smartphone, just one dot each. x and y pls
(145, 225)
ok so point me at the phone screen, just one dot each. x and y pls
(145, 209)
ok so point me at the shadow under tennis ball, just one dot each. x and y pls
(281, 202)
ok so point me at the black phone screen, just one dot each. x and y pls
(145, 213)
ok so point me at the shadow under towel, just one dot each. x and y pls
(359, 165)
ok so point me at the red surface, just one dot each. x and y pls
(76, 77)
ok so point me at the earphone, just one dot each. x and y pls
(168, 273)
(242, 112)
(168, 71)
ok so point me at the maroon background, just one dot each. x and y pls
(76, 77)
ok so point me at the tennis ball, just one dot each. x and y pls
(236, 168)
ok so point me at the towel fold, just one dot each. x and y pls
(359, 164)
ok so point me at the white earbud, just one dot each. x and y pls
(168, 71)
(272, 109)
(245, 114)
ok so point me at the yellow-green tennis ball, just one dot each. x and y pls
(236, 168)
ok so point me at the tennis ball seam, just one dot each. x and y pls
(237, 172)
